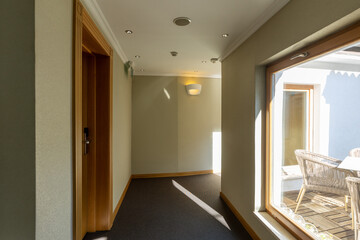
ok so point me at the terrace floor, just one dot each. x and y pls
(325, 211)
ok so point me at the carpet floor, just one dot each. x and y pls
(174, 208)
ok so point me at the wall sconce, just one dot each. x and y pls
(193, 89)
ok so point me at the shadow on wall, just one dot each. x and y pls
(342, 93)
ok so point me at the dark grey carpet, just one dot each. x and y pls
(155, 209)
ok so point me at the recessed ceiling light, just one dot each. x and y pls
(128, 31)
(182, 21)
(225, 35)
(173, 53)
(137, 56)
(203, 61)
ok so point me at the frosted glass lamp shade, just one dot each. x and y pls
(193, 89)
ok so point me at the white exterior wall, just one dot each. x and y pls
(336, 100)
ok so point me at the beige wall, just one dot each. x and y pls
(198, 117)
(121, 129)
(173, 135)
(53, 57)
(243, 84)
(54, 84)
(154, 125)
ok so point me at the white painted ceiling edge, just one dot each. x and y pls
(97, 15)
(178, 75)
(95, 12)
(261, 20)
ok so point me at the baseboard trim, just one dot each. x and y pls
(239, 217)
(120, 201)
(179, 174)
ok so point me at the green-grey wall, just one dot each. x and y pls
(243, 88)
(17, 121)
(173, 133)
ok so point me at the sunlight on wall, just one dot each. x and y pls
(201, 204)
(277, 138)
(348, 73)
(258, 150)
(216, 152)
(167, 93)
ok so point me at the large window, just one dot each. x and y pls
(311, 128)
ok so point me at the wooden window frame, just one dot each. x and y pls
(331, 43)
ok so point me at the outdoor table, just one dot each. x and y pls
(350, 163)
(353, 164)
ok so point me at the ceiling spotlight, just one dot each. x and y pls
(173, 53)
(225, 35)
(128, 31)
(203, 61)
(182, 21)
(137, 56)
(214, 60)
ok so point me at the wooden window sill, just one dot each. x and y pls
(273, 226)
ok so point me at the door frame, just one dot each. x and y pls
(309, 89)
(83, 22)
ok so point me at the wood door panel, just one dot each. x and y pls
(89, 63)
(103, 143)
(84, 210)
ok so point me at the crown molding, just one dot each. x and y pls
(97, 15)
(176, 75)
(263, 18)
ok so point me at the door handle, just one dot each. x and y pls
(86, 141)
(86, 147)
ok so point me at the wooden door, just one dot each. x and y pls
(89, 142)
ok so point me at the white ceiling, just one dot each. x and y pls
(155, 35)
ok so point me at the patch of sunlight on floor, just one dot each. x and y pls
(101, 238)
(201, 204)
(322, 200)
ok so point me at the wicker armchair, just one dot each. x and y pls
(354, 185)
(320, 173)
(355, 152)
